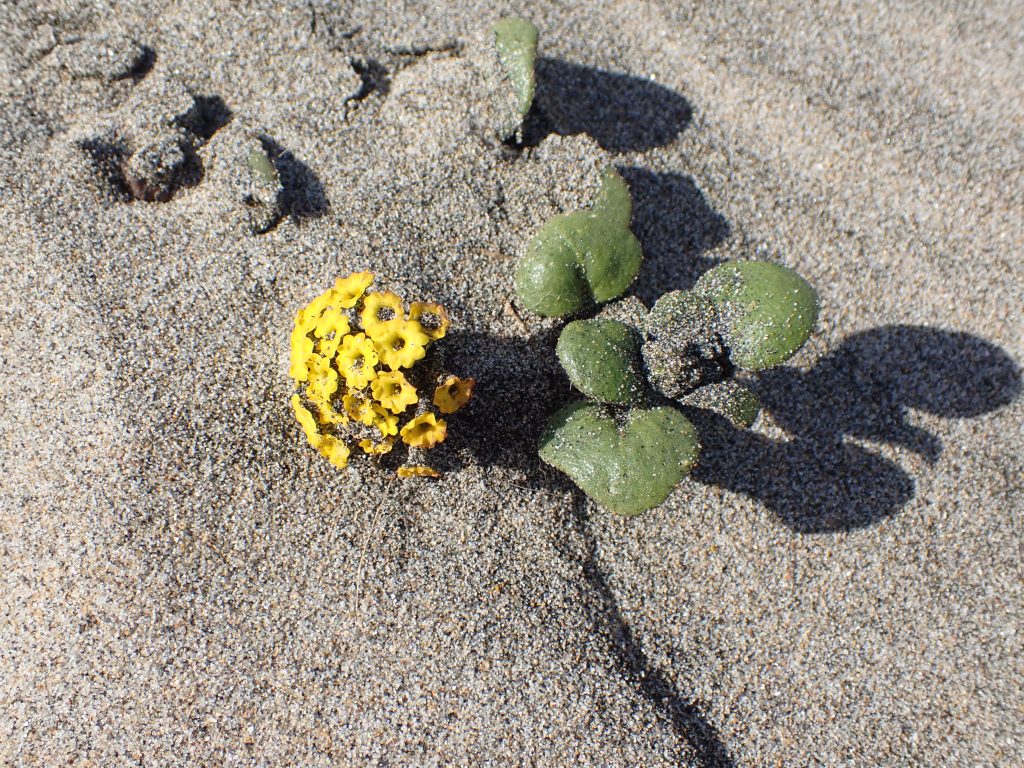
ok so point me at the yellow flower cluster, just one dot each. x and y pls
(348, 352)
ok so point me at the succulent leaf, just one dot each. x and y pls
(768, 311)
(628, 467)
(516, 41)
(729, 399)
(582, 256)
(602, 360)
(261, 165)
(263, 192)
(613, 201)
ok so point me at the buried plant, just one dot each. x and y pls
(360, 362)
(627, 445)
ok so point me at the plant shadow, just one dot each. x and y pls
(621, 112)
(676, 226)
(519, 385)
(818, 481)
(814, 482)
(685, 716)
(302, 194)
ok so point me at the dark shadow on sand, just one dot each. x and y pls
(814, 481)
(621, 112)
(111, 155)
(688, 722)
(818, 481)
(302, 194)
(676, 225)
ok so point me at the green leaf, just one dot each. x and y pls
(582, 257)
(628, 466)
(613, 201)
(261, 165)
(729, 399)
(768, 311)
(602, 360)
(516, 41)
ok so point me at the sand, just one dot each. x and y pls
(183, 581)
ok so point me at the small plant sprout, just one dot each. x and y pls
(355, 361)
(683, 349)
(628, 445)
(263, 191)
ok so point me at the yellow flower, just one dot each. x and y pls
(325, 411)
(377, 448)
(306, 421)
(335, 450)
(302, 348)
(330, 329)
(379, 308)
(328, 347)
(333, 320)
(433, 318)
(392, 390)
(417, 471)
(400, 343)
(348, 290)
(323, 379)
(356, 361)
(453, 394)
(425, 431)
(386, 422)
(349, 377)
(359, 408)
(306, 318)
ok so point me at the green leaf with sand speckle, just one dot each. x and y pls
(582, 257)
(602, 360)
(261, 165)
(516, 41)
(768, 311)
(628, 465)
(729, 399)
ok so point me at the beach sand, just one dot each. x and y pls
(183, 581)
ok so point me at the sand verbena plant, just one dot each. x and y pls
(363, 377)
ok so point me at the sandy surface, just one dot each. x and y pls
(184, 582)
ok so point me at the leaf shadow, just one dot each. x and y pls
(621, 112)
(302, 194)
(677, 227)
(818, 481)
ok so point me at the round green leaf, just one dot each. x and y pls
(550, 282)
(768, 311)
(602, 360)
